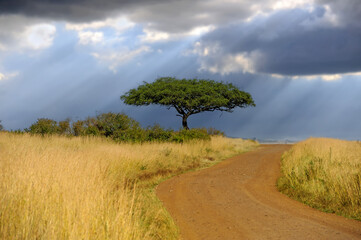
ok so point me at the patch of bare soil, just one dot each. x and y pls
(238, 199)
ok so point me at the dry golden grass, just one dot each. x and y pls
(91, 188)
(324, 173)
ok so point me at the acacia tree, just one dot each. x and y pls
(189, 96)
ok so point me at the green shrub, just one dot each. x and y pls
(92, 131)
(86, 127)
(78, 128)
(157, 133)
(44, 126)
(91, 127)
(64, 127)
(187, 135)
(109, 123)
(120, 128)
(129, 135)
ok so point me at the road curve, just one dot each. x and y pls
(237, 199)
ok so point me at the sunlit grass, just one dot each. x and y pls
(324, 173)
(91, 188)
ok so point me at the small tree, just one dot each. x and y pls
(91, 127)
(1, 126)
(44, 126)
(189, 96)
(78, 128)
(64, 127)
(110, 123)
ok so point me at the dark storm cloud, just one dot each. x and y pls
(162, 15)
(72, 10)
(293, 42)
(180, 16)
(347, 11)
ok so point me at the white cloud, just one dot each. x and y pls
(154, 36)
(2, 47)
(120, 24)
(88, 37)
(212, 59)
(116, 59)
(241, 62)
(324, 77)
(151, 36)
(331, 77)
(198, 31)
(19, 33)
(38, 36)
(87, 33)
(7, 76)
(287, 4)
(335, 77)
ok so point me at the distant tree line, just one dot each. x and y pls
(117, 126)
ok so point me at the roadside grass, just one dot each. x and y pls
(324, 174)
(56, 187)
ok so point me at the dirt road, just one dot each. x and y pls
(237, 199)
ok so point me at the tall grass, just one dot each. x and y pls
(91, 188)
(325, 174)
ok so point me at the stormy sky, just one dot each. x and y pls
(300, 60)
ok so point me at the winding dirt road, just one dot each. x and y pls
(237, 199)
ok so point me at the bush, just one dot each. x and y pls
(187, 135)
(86, 127)
(64, 127)
(110, 124)
(129, 135)
(78, 128)
(91, 127)
(157, 133)
(120, 128)
(44, 126)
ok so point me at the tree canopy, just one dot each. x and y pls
(189, 96)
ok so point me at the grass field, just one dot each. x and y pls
(91, 188)
(325, 174)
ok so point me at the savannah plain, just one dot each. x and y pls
(56, 187)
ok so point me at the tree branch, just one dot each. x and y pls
(179, 109)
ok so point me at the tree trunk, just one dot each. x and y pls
(184, 122)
